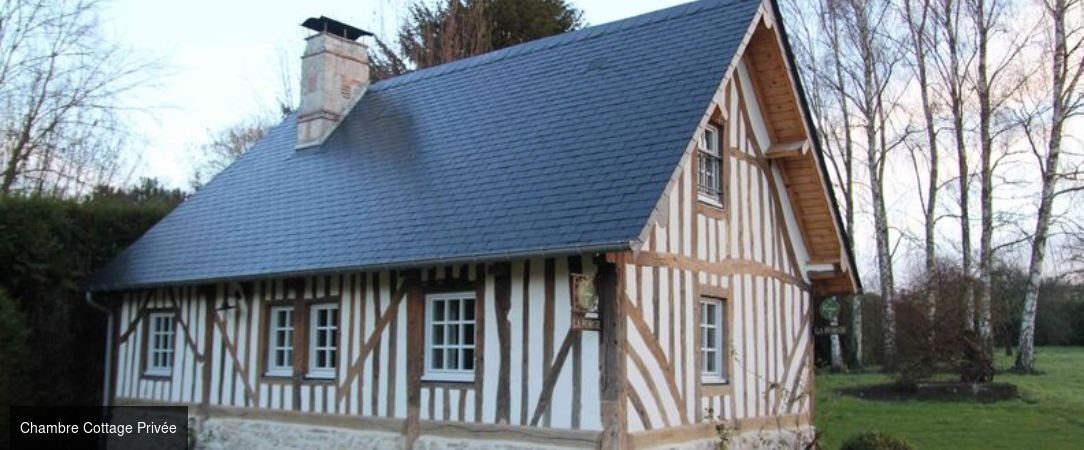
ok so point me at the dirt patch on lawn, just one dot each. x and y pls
(978, 392)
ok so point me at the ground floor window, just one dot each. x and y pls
(160, 338)
(280, 348)
(449, 337)
(323, 340)
(713, 331)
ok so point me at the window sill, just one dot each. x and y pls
(709, 200)
(715, 388)
(320, 376)
(710, 207)
(157, 375)
(287, 373)
(448, 377)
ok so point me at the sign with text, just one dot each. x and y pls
(828, 331)
(584, 303)
(91, 427)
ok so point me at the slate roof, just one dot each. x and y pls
(563, 144)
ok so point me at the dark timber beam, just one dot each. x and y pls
(612, 311)
(787, 149)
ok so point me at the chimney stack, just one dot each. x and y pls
(334, 75)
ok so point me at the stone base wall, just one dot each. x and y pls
(228, 433)
(233, 433)
(785, 439)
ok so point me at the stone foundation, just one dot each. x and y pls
(228, 433)
(785, 439)
(796, 438)
(221, 433)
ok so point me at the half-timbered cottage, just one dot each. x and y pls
(607, 238)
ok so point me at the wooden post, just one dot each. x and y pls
(612, 311)
(415, 299)
(209, 293)
(503, 291)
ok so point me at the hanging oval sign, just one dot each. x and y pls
(829, 308)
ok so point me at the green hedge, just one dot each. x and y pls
(47, 248)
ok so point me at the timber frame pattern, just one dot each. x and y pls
(771, 246)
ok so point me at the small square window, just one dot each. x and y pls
(450, 340)
(710, 163)
(160, 338)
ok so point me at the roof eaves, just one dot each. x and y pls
(404, 264)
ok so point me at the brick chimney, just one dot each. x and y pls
(334, 75)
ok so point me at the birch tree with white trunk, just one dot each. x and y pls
(1045, 129)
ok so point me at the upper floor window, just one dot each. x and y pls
(280, 349)
(449, 337)
(160, 338)
(713, 340)
(709, 178)
(323, 340)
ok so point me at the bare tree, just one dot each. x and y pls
(991, 91)
(444, 33)
(61, 90)
(865, 27)
(953, 65)
(225, 145)
(917, 15)
(1065, 50)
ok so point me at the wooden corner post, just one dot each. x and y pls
(613, 340)
(415, 299)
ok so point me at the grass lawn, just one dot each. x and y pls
(1050, 414)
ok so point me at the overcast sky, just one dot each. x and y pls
(222, 62)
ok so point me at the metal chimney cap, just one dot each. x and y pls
(325, 24)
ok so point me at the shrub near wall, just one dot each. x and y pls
(875, 440)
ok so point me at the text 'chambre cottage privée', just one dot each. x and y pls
(119, 430)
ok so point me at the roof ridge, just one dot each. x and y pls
(558, 40)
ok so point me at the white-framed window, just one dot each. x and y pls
(160, 338)
(713, 332)
(280, 345)
(710, 163)
(449, 337)
(323, 340)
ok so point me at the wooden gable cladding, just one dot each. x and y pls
(775, 89)
(807, 188)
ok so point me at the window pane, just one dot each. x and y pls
(453, 359)
(453, 309)
(468, 309)
(438, 335)
(453, 334)
(438, 310)
(438, 358)
(468, 359)
(468, 334)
